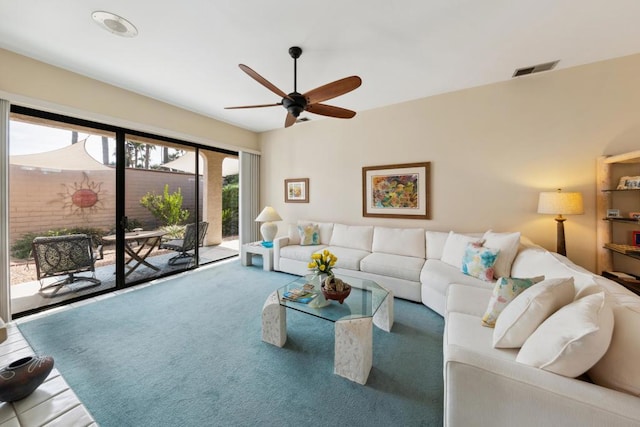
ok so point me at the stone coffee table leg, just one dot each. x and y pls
(353, 349)
(274, 321)
(383, 318)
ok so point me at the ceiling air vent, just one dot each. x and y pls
(302, 119)
(535, 68)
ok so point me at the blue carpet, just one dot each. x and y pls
(188, 352)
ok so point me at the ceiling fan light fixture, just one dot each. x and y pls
(114, 24)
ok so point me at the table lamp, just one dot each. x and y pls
(268, 229)
(559, 203)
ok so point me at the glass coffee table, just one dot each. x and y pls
(369, 303)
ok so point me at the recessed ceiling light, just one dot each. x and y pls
(114, 24)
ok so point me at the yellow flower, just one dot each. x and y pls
(311, 265)
(316, 256)
(332, 263)
(326, 252)
(322, 267)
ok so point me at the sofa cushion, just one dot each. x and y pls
(402, 267)
(399, 241)
(438, 275)
(467, 299)
(309, 234)
(293, 235)
(536, 261)
(505, 291)
(352, 236)
(299, 253)
(528, 310)
(325, 230)
(619, 368)
(348, 258)
(478, 261)
(435, 243)
(572, 339)
(508, 244)
(454, 248)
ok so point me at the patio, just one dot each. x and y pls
(25, 295)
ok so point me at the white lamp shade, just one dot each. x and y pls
(559, 203)
(268, 214)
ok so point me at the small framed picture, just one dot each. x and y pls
(634, 215)
(296, 190)
(635, 241)
(613, 213)
(629, 183)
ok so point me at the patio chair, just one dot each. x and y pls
(64, 256)
(186, 244)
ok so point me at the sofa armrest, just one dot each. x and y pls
(278, 243)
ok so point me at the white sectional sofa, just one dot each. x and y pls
(486, 386)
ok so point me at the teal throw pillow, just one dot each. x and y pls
(478, 261)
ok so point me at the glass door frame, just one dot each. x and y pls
(120, 213)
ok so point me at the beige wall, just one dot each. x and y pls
(31, 83)
(492, 150)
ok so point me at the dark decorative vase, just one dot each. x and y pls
(20, 378)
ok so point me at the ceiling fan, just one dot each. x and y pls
(295, 103)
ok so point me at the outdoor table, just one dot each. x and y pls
(147, 241)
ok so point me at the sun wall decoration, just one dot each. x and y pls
(84, 197)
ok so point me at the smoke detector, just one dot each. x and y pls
(114, 24)
(535, 68)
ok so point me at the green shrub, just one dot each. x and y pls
(173, 231)
(230, 210)
(166, 208)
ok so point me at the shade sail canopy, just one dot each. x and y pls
(73, 157)
(185, 163)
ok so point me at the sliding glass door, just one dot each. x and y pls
(162, 205)
(62, 183)
(96, 208)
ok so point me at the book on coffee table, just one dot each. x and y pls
(299, 295)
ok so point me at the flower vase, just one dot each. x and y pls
(319, 301)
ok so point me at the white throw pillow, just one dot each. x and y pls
(454, 248)
(435, 243)
(572, 339)
(294, 236)
(528, 310)
(619, 368)
(508, 243)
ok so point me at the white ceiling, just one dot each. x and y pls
(187, 53)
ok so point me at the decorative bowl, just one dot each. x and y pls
(339, 296)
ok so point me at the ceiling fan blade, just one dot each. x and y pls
(264, 82)
(333, 89)
(253, 106)
(290, 120)
(331, 111)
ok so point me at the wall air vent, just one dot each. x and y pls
(535, 68)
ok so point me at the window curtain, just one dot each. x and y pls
(5, 275)
(249, 197)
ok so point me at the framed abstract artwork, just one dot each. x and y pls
(296, 190)
(397, 191)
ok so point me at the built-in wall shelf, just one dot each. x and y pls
(624, 249)
(610, 170)
(625, 220)
(620, 189)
